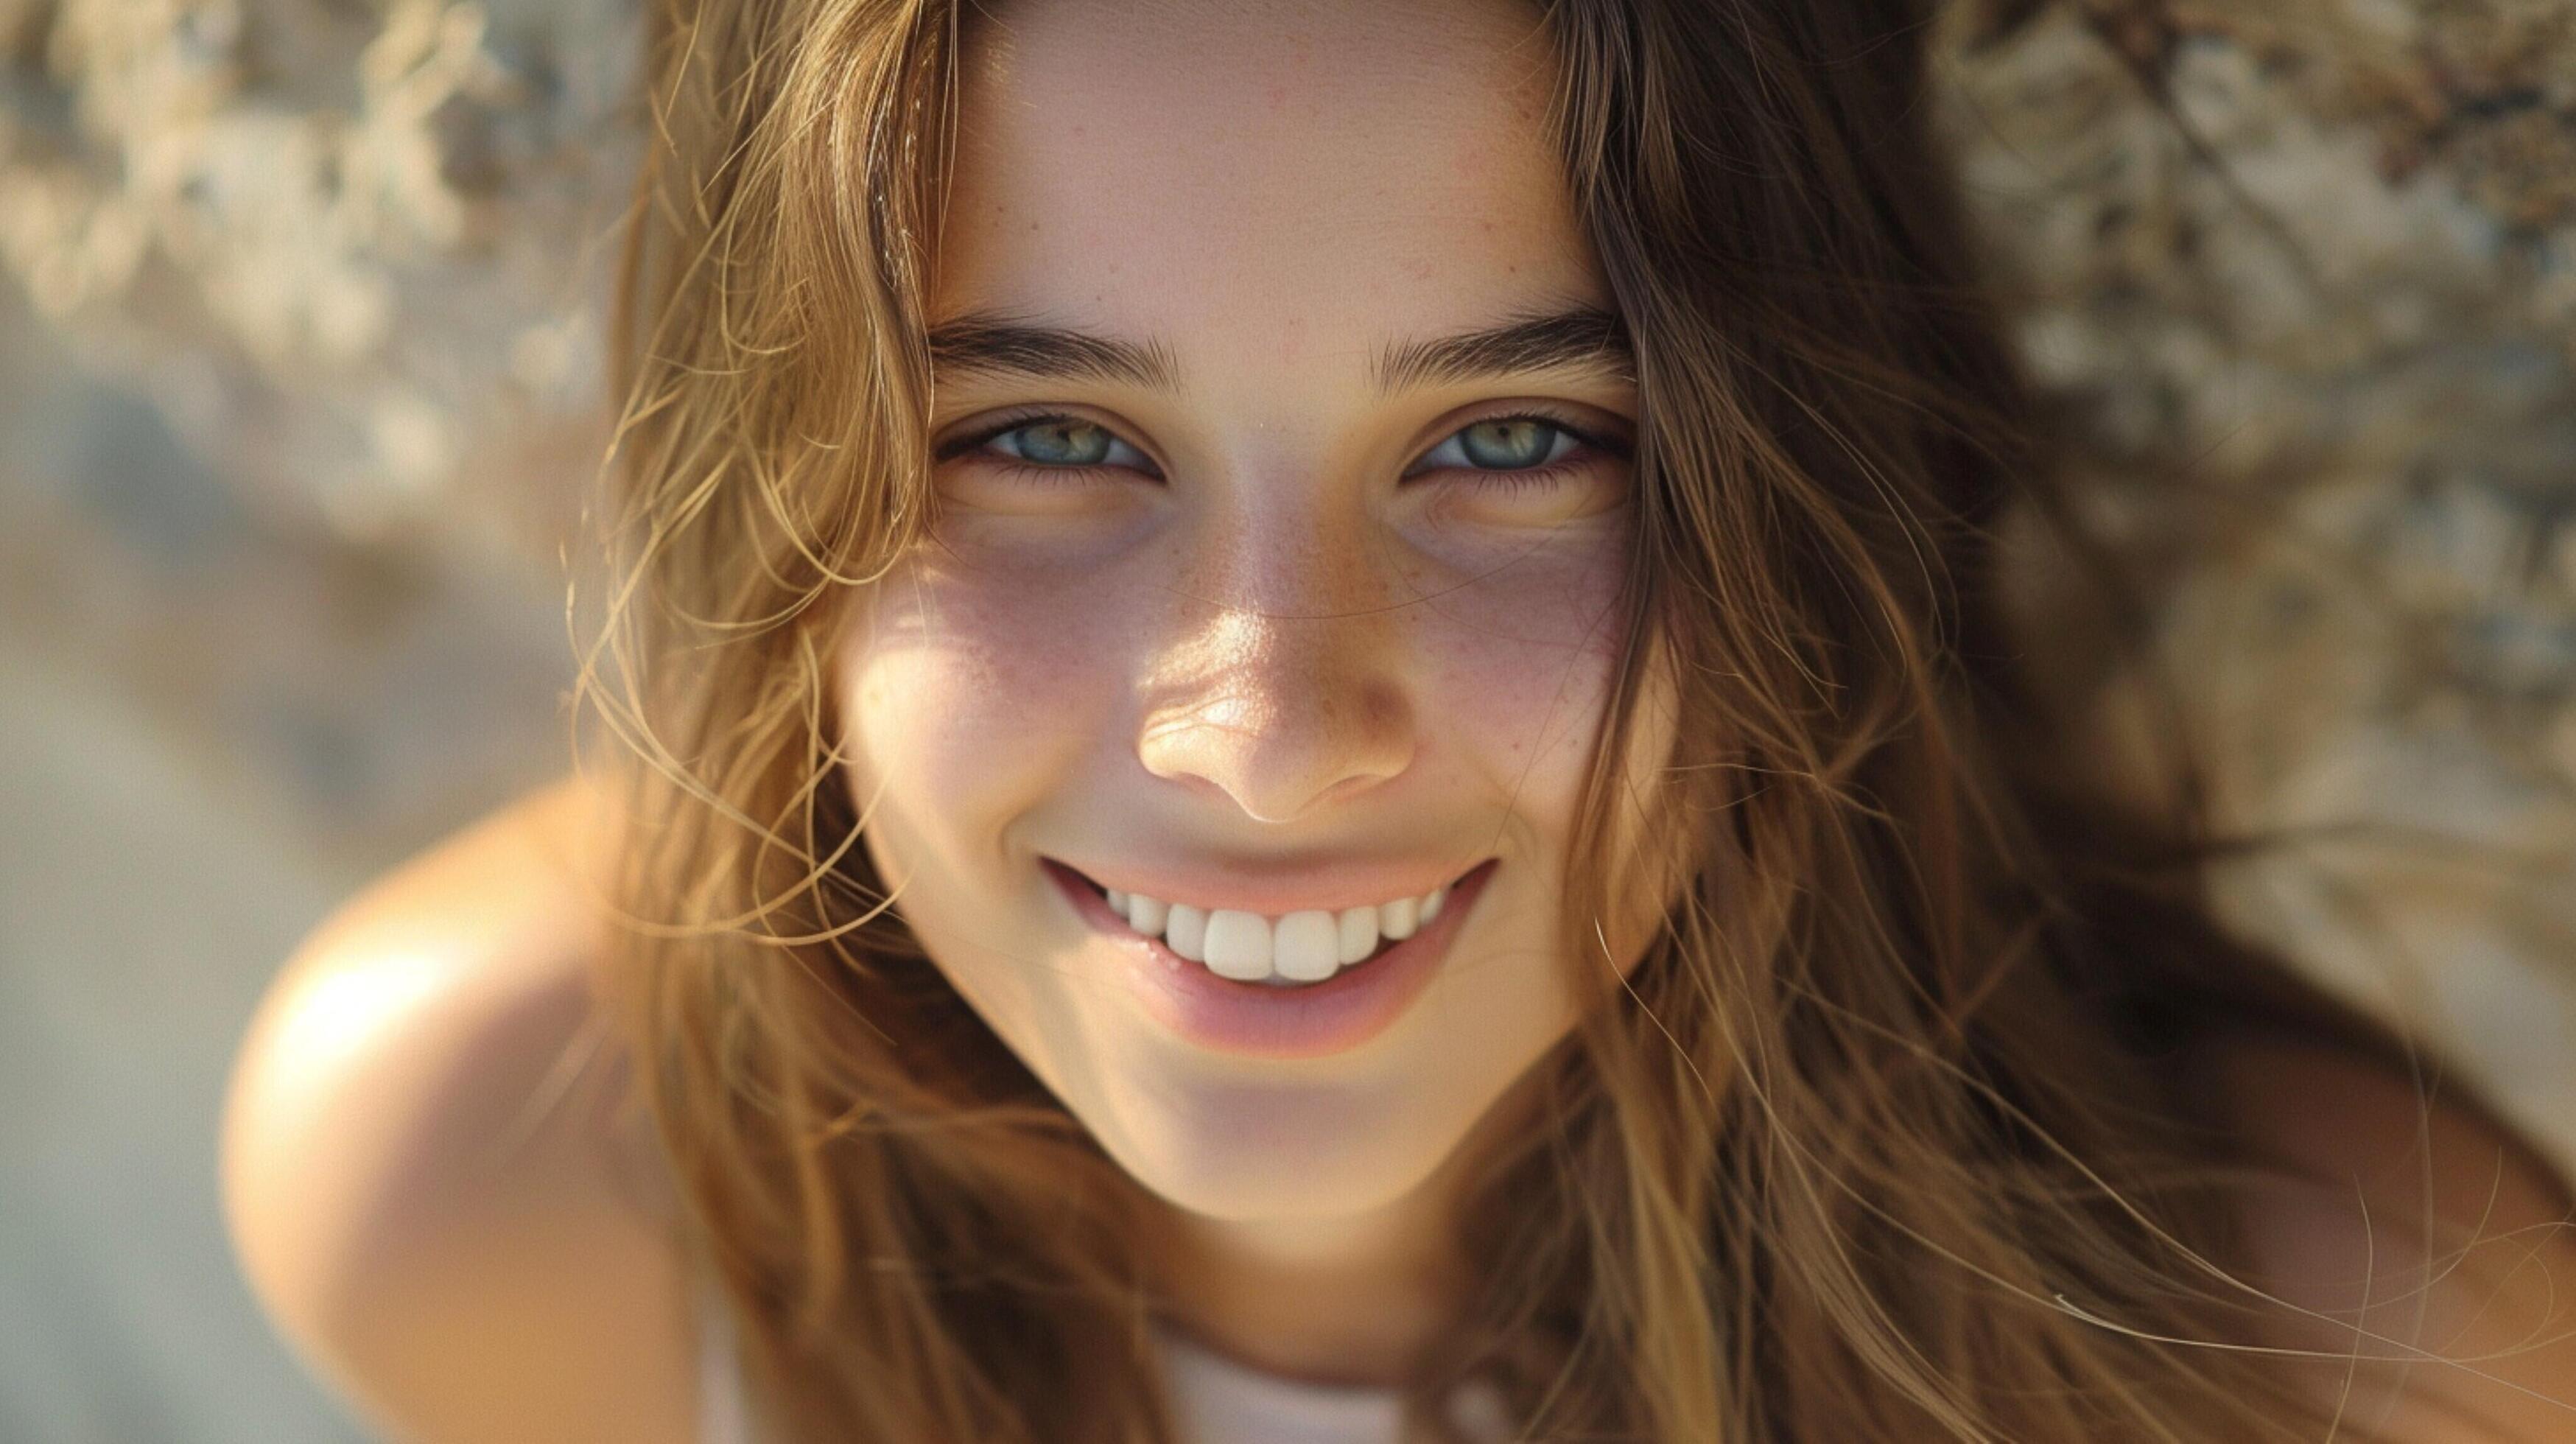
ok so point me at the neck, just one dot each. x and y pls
(1353, 1299)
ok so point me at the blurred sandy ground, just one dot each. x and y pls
(213, 725)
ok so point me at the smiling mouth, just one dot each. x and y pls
(1294, 951)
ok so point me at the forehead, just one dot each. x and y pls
(1285, 178)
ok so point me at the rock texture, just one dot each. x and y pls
(353, 247)
(2302, 277)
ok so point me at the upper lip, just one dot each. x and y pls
(1274, 889)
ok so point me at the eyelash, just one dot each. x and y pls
(1588, 448)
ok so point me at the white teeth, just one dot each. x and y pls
(1397, 919)
(1238, 945)
(1146, 914)
(1357, 928)
(1185, 932)
(1304, 947)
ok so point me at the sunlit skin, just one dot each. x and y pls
(1271, 617)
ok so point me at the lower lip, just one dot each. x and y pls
(1258, 1020)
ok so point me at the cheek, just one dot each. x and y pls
(1522, 653)
(966, 701)
(1527, 655)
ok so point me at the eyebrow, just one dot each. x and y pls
(1580, 338)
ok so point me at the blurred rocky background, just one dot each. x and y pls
(300, 388)
(2300, 276)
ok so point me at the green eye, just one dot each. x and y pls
(1051, 450)
(1512, 452)
(1508, 443)
(1063, 441)
(1515, 451)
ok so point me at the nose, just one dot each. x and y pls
(1289, 691)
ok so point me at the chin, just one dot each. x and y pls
(1246, 1150)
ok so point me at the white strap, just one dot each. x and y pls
(722, 1419)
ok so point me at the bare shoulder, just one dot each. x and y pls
(430, 1173)
(2422, 1228)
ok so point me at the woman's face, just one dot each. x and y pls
(1259, 604)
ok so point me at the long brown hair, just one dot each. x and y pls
(1882, 1138)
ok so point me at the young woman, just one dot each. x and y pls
(1320, 740)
